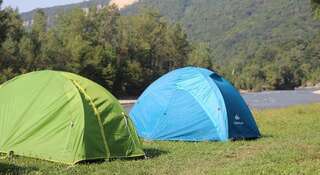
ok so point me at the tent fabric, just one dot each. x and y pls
(65, 118)
(193, 104)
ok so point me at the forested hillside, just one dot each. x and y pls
(256, 44)
(231, 24)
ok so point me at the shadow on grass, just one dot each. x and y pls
(153, 152)
(265, 136)
(13, 169)
(149, 152)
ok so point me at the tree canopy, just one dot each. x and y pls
(125, 53)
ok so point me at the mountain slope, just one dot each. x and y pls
(227, 24)
(231, 27)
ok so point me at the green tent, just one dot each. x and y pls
(64, 117)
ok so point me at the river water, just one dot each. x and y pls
(275, 99)
(279, 99)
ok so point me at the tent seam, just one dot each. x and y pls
(97, 114)
(224, 105)
(127, 126)
(166, 109)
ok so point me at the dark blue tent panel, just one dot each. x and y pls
(193, 104)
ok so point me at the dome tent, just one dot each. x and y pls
(193, 104)
(65, 118)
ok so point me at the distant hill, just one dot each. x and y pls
(240, 27)
(51, 12)
(227, 25)
(232, 28)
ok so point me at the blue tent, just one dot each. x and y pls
(193, 104)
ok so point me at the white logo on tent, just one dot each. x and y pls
(238, 122)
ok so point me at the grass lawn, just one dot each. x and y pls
(290, 145)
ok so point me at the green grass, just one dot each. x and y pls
(290, 145)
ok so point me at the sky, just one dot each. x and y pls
(27, 5)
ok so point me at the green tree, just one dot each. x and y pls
(10, 33)
(181, 45)
(3, 24)
(200, 56)
(10, 25)
(315, 4)
(27, 54)
(39, 25)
